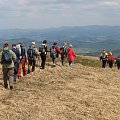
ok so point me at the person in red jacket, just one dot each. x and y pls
(111, 60)
(71, 55)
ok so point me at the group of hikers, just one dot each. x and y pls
(110, 59)
(14, 60)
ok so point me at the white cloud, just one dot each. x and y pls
(22, 2)
(3, 2)
(111, 3)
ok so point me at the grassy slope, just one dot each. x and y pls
(64, 93)
(88, 61)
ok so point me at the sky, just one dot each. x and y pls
(40, 14)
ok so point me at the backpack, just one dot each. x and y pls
(6, 57)
(103, 56)
(42, 49)
(110, 58)
(118, 61)
(58, 51)
(16, 51)
(53, 53)
(63, 51)
(30, 53)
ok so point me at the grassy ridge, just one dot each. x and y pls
(87, 62)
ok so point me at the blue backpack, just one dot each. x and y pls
(6, 57)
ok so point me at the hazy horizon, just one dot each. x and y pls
(43, 14)
(59, 27)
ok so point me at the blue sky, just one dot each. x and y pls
(55, 13)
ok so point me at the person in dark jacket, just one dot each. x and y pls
(104, 58)
(53, 55)
(43, 53)
(118, 62)
(64, 51)
(17, 62)
(57, 49)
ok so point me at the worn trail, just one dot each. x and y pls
(64, 93)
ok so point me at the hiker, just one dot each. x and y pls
(63, 50)
(17, 62)
(71, 55)
(43, 53)
(32, 54)
(53, 55)
(57, 49)
(111, 60)
(23, 60)
(103, 58)
(118, 62)
(7, 59)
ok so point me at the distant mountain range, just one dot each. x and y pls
(85, 39)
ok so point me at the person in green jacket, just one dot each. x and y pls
(7, 59)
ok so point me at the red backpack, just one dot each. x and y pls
(111, 58)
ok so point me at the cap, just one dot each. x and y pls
(33, 43)
(70, 45)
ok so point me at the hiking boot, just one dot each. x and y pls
(14, 82)
(41, 68)
(11, 87)
(19, 77)
(6, 86)
(28, 72)
(54, 65)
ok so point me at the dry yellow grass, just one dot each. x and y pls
(64, 93)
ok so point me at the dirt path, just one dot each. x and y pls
(64, 93)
